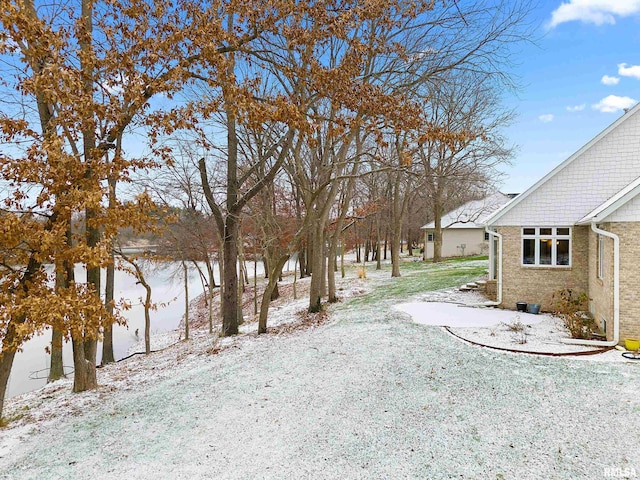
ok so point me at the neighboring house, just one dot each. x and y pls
(578, 228)
(463, 230)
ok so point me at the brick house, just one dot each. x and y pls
(578, 227)
(463, 231)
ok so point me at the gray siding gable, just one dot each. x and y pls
(586, 180)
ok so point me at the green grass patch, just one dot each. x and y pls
(419, 277)
(462, 259)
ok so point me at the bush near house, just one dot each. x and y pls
(572, 307)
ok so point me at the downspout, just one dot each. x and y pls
(616, 295)
(499, 293)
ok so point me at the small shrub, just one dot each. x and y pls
(572, 308)
(517, 328)
(362, 272)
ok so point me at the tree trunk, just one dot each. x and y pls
(240, 313)
(212, 278)
(399, 204)
(295, 278)
(8, 351)
(274, 274)
(84, 374)
(64, 276)
(242, 275)
(6, 363)
(309, 256)
(85, 348)
(275, 293)
(395, 253)
(147, 319)
(378, 259)
(332, 266)
(211, 295)
(396, 227)
(334, 240)
(386, 237)
(366, 250)
(230, 284)
(211, 287)
(7, 357)
(56, 370)
(323, 273)
(221, 273)
(316, 291)
(107, 340)
(185, 270)
(255, 283)
(342, 272)
(302, 262)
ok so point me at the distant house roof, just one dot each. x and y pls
(474, 213)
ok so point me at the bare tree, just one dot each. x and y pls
(463, 167)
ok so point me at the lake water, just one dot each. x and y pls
(31, 365)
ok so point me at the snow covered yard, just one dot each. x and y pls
(498, 328)
(369, 394)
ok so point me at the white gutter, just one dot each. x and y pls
(616, 295)
(499, 293)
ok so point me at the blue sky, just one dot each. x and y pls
(582, 71)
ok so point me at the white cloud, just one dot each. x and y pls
(598, 12)
(613, 103)
(546, 118)
(576, 108)
(630, 71)
(607, 80)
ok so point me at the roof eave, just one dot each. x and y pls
(610, 206)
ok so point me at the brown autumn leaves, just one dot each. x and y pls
(84, 84)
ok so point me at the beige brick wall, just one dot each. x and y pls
(491, 290)
(629, 234)
(537, 284)
(601, 290)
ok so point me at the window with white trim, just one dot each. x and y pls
(546, 246)
(429, 237)
(600, 257)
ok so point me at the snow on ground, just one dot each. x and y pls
(452, 315)
(497, 328)
(370, 394)
(494, 327)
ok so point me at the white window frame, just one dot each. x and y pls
(600, 256)
(430, 236)
(537, 237)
